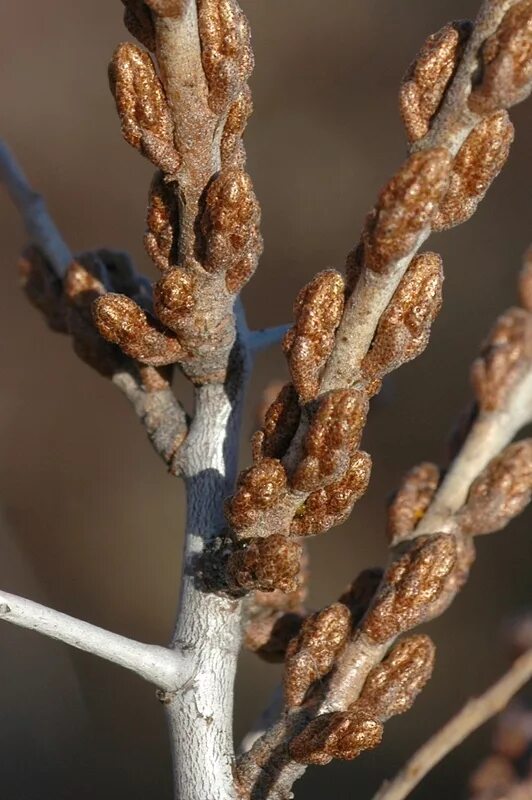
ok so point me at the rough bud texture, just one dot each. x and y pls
(506, 62)
(280, 425)
(330, 506)
(260, 487)
(405, 208)
(334, 433)
(162, 222)
(312, 654)
(424, 84)
(504, 360)
(318, 311)
(141, 105)
(404, 328)
(226, 50)
(341, 734)
(415, 587)
(392, 687)
(230, 227)
(270, 637)
(411, 501)
(266, 564)
(231, 145)
(501, 492)
(121, 321)
(479, 161)
(175, 298)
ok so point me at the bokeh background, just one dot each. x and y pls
(91, 524)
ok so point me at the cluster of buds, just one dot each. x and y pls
(390, 689)
(203, 217)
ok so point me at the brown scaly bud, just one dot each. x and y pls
(138, 21)
(333, 435)
(404, 328)
(405, 208)
(280, 425)
(479, 161)
(500, 493)
(142, 108)
(359, 595)
(270, 636)
(415, 587)
(312, 654)
(525, 281)
(266, 564)
(43, 288)
(226, 51)
(392, 687)
(231, 148)
(427, 79)
(174, 297)
(260, 487)
(340, 734)
(82, 286)
(411, 501)
(506, 62)
(333, 504)
(121, 321)
(230, 227)
(162, 223)
(504, 360)
(318, 310)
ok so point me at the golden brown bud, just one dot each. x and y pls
(174, 297)
(260, 487)
(392, 687)
(424, 84)
(266, 564)
(333, 435)
(312, 654)
(280, 425)
(160, 239)
(226, 50)
(121, 321)
(239, 113)
(405, 208)
(504, 360)
(415, 587)
(479, 161)
(330, 506)
(404, 328)
(318, 310)
(411, 501)
(501, 492)
(506, 62)
(230, 227)
(142, 108)
(341, 734)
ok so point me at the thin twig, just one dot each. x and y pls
(474, 714)
(40, 227)
(167, 669)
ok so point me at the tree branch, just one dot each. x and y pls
(167, 669)
(474, 714)
(39, 225)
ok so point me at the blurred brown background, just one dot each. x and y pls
(90, 522)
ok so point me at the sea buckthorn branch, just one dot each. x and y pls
(431, 529)
(350, 332)
(185, 109)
